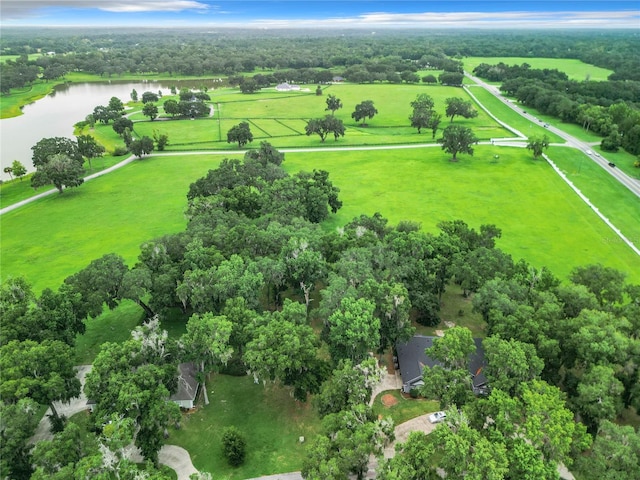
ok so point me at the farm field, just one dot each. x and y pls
(542, 220)
(575, 69)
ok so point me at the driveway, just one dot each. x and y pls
(172, 456)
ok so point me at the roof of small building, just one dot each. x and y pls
(412, 359)
(187, 383)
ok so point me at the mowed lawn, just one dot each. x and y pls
(575, 69)
(270, 418)
(280, 117)
(542, 220)
(56, 236)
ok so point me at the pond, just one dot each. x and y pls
(55, 114)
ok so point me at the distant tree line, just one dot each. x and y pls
(390, 56)
(609, 108)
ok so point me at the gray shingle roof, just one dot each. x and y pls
(187, 383)
(412, 359)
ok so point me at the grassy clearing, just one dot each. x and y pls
(542, 220)
(405, 409)
(270, 418)
(614, 201)
(457, 309)
(507, 115)
(575, 69)
(61, 234)
(112, 326)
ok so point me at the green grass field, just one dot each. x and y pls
(270, 418)
(15, 190)
(542, 220)
(280, 118)
(575, 69)
(54, 237)
(617, 204)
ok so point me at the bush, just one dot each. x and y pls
(120, 151)
(414, 393)
(234, 446)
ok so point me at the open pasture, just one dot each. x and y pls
(575, 69)
(542, 220)
(56, 236)
(281, 118)
(614, 201)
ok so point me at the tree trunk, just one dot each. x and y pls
(204, 385)
(54, 412)
(147, 309)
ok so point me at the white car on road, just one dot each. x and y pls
(437, 417)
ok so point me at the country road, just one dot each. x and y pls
(632, 184)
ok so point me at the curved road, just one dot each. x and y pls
(632, 184)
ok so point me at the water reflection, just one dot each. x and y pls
(55, 114)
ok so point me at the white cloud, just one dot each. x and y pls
(16, 9)
(516, 19)
(152, 6)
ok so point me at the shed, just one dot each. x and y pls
(187, 386)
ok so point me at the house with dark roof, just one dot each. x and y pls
(187, 386)
(412, 359)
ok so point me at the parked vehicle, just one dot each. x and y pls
(437, 417)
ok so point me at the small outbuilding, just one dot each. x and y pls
(287, 87)
(188, 386)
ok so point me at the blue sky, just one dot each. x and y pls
(325, 14)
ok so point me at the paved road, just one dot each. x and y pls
(632, 184)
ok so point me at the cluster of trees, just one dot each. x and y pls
(16, 168)
(607, 108)
(59, 160)
(253, 234)
(330, 124)
(543, 335)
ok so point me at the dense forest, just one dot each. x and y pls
(246, 274)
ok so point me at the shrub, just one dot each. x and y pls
(414, 393)
(119, 151)
(234, 446)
